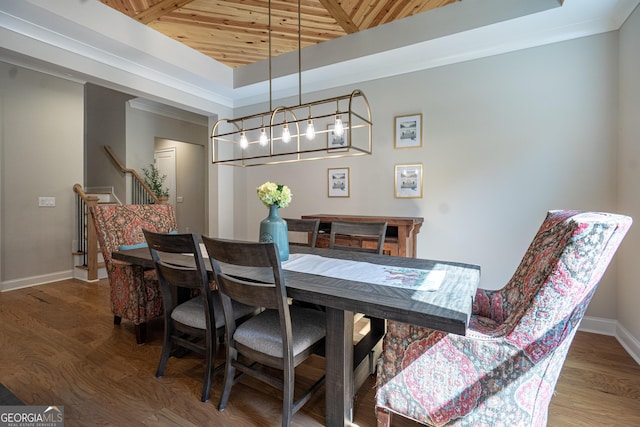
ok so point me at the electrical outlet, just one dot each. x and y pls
(179, 199)
(48, 202)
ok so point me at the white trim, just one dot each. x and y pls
(599, 325)
(168, 111)
(98, 44)
(10, 285)
(629, 343)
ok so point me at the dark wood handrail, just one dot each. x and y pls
(135, 175)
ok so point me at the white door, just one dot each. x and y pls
(165, 161)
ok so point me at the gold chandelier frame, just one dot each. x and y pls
(266, 139)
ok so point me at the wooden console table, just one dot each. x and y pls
(399, 241)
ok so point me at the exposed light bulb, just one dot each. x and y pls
(286, 135)
(264, 140)
(338, 129)
(244, 143)
(311, 132)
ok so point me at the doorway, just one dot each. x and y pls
(186, 171)
(165, 161)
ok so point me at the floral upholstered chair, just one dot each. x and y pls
(135, 293)
(504, 371)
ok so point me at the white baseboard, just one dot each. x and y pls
(9, 285)
(82, 274)
(629, 342)
(598, 325)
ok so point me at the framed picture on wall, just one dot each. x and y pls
(408, 181)
(335, 142)
(408, 131)
(338, 182)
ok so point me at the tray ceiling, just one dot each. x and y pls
(235, 32)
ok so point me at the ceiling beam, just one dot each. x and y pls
(341, 17)
(160, 9)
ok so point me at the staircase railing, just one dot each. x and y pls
(87, 248)
(141, 194)
(87, 237)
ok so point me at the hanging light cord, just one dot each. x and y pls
(270, 88)
(299, 58)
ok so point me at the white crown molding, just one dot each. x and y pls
(575, 19)
(90, 41)
(147, 105)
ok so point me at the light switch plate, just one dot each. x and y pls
(48, 202)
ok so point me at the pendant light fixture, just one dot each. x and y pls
(252, 140)
(311, 130)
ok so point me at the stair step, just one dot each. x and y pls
(84, 267)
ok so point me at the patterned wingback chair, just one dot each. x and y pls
(504, 371)
(135, 293)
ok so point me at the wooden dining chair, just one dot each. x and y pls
(281, 337)
(358, 236)
(351, 235)
(307, 226)
(196, 323)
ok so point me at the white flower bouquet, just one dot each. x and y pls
(271, 193)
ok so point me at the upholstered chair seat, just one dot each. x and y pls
(191, 312)
(262, 333)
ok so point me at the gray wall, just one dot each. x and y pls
(105, 115)
(628, 290)
(506, 139)
(41, 146)
(148, 131)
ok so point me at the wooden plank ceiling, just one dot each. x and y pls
(235, 32)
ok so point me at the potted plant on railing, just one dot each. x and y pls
(155, 181)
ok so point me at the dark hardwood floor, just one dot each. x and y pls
(59, 347)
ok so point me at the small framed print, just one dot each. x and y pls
(408, 181)
(338, 182)
(408, 131)
(335, 142)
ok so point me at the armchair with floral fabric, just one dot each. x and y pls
(135, 292)
(504, 371)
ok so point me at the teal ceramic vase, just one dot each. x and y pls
(274, 229)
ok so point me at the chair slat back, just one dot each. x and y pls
(248, 272)
(309, 226)
(163, 246)
(372, 230)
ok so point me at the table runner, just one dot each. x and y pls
(401, 277)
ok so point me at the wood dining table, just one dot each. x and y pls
(447, 309)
